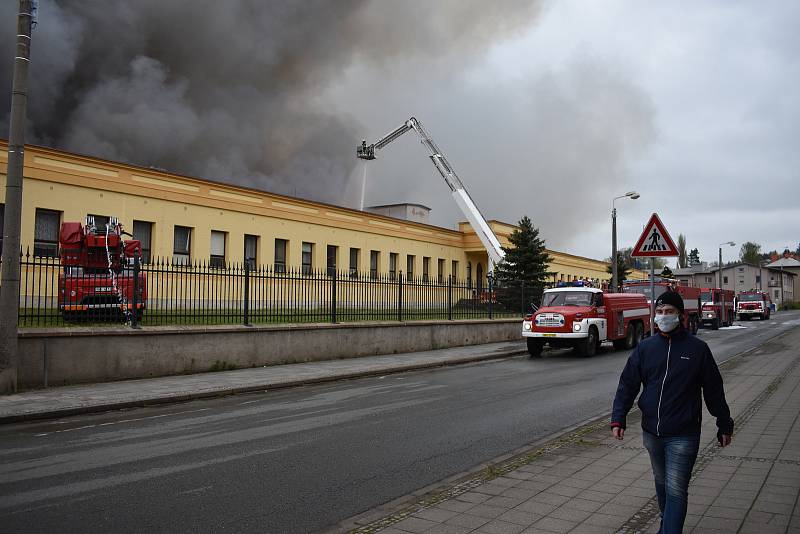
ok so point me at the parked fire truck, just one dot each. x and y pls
(584, 317)
(97, 274)
(753, 304)
(717, 307)
(690, 296)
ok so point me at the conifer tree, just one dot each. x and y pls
(526, 261)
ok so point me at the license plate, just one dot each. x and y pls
(548, 335)
(102, 289)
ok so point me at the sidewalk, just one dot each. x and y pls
(587, 482)
(72, 400)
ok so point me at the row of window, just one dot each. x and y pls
(48, 223)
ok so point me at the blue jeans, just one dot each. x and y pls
(672, 460)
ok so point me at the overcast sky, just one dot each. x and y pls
(692, 104)
(546, 109)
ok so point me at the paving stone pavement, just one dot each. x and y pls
(587, 482)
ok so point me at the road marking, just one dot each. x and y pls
(118, 422)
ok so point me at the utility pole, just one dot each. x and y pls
(9, 286)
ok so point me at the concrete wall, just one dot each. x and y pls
(100, 355)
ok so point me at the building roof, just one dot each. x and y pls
(784, 262)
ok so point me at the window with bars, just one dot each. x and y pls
(182, 245)
(45, 240)
(250, 250)
(454, 269)
(307, 257)
(410, 259)
(374, 261)
(354, 254)
(331, 254)
(440, 271)
(280, 255)
(469, 275)
(426, 267)
(143, 231)
(393, 265)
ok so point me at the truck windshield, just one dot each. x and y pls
(644, 289)
(750, 298)
(706, 297)
(567, 298)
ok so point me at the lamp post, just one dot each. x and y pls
(721, 319)
(633, 195)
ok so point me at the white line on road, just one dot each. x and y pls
(120, 421)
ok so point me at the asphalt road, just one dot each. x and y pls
(303, 459)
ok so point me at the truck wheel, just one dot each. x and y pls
(630, 336)
(588, 346)
(535, 347)
(715, 324)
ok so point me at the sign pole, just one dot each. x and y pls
(652, 292)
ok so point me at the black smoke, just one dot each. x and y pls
(226, 90)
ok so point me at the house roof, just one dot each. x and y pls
(784, 262)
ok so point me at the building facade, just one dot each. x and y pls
(192, 220)
(742, 276)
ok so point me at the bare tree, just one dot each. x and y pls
(682, 256)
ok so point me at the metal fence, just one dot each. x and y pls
(166, 292)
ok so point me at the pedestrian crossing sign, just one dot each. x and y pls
(655, 241)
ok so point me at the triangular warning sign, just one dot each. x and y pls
(654, 241)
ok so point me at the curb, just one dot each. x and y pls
(185, 397)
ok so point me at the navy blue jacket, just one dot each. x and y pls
(674, 369)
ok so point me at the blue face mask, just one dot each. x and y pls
(667, 323)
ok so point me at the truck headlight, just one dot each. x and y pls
(526, 325)
(576, 327)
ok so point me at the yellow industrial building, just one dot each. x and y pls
(190, 219)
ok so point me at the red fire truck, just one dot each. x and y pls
(690, 296)
(584, 317)
(97, 274)
(753, 303)
(717, 307)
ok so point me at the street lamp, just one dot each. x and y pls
(633, 195)
(722, 317)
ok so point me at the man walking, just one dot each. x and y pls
(673, 369)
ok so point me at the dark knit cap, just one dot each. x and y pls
(672, 298)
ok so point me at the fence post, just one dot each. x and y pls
(489, 279)
(400, 295)
(246, 292)
(450, 297)
(135, 303)
(333, 296)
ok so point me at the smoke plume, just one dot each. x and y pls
(229, 90)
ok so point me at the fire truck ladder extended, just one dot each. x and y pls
(462, 198)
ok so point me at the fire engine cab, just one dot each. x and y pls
(717, 307)
(97, 271)
(690, 296)
(583, 317)
(752, 304)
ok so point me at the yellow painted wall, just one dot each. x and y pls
(78, 185)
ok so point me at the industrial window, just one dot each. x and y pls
(454, 269)
(45, 240)
(374, 261)
(392, 265)
(182, 245)
(143, 231)
(2, 223)
(307, 257)
(280, 255)
(354, 253)
(440, 271)
(410, 258)
(250, 250)
(99, 221)
(426, 268)
(332, 253)
(217, 259)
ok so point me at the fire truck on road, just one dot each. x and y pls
(690, 296)
(584, 317)
(752, 304)
(717, 307)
